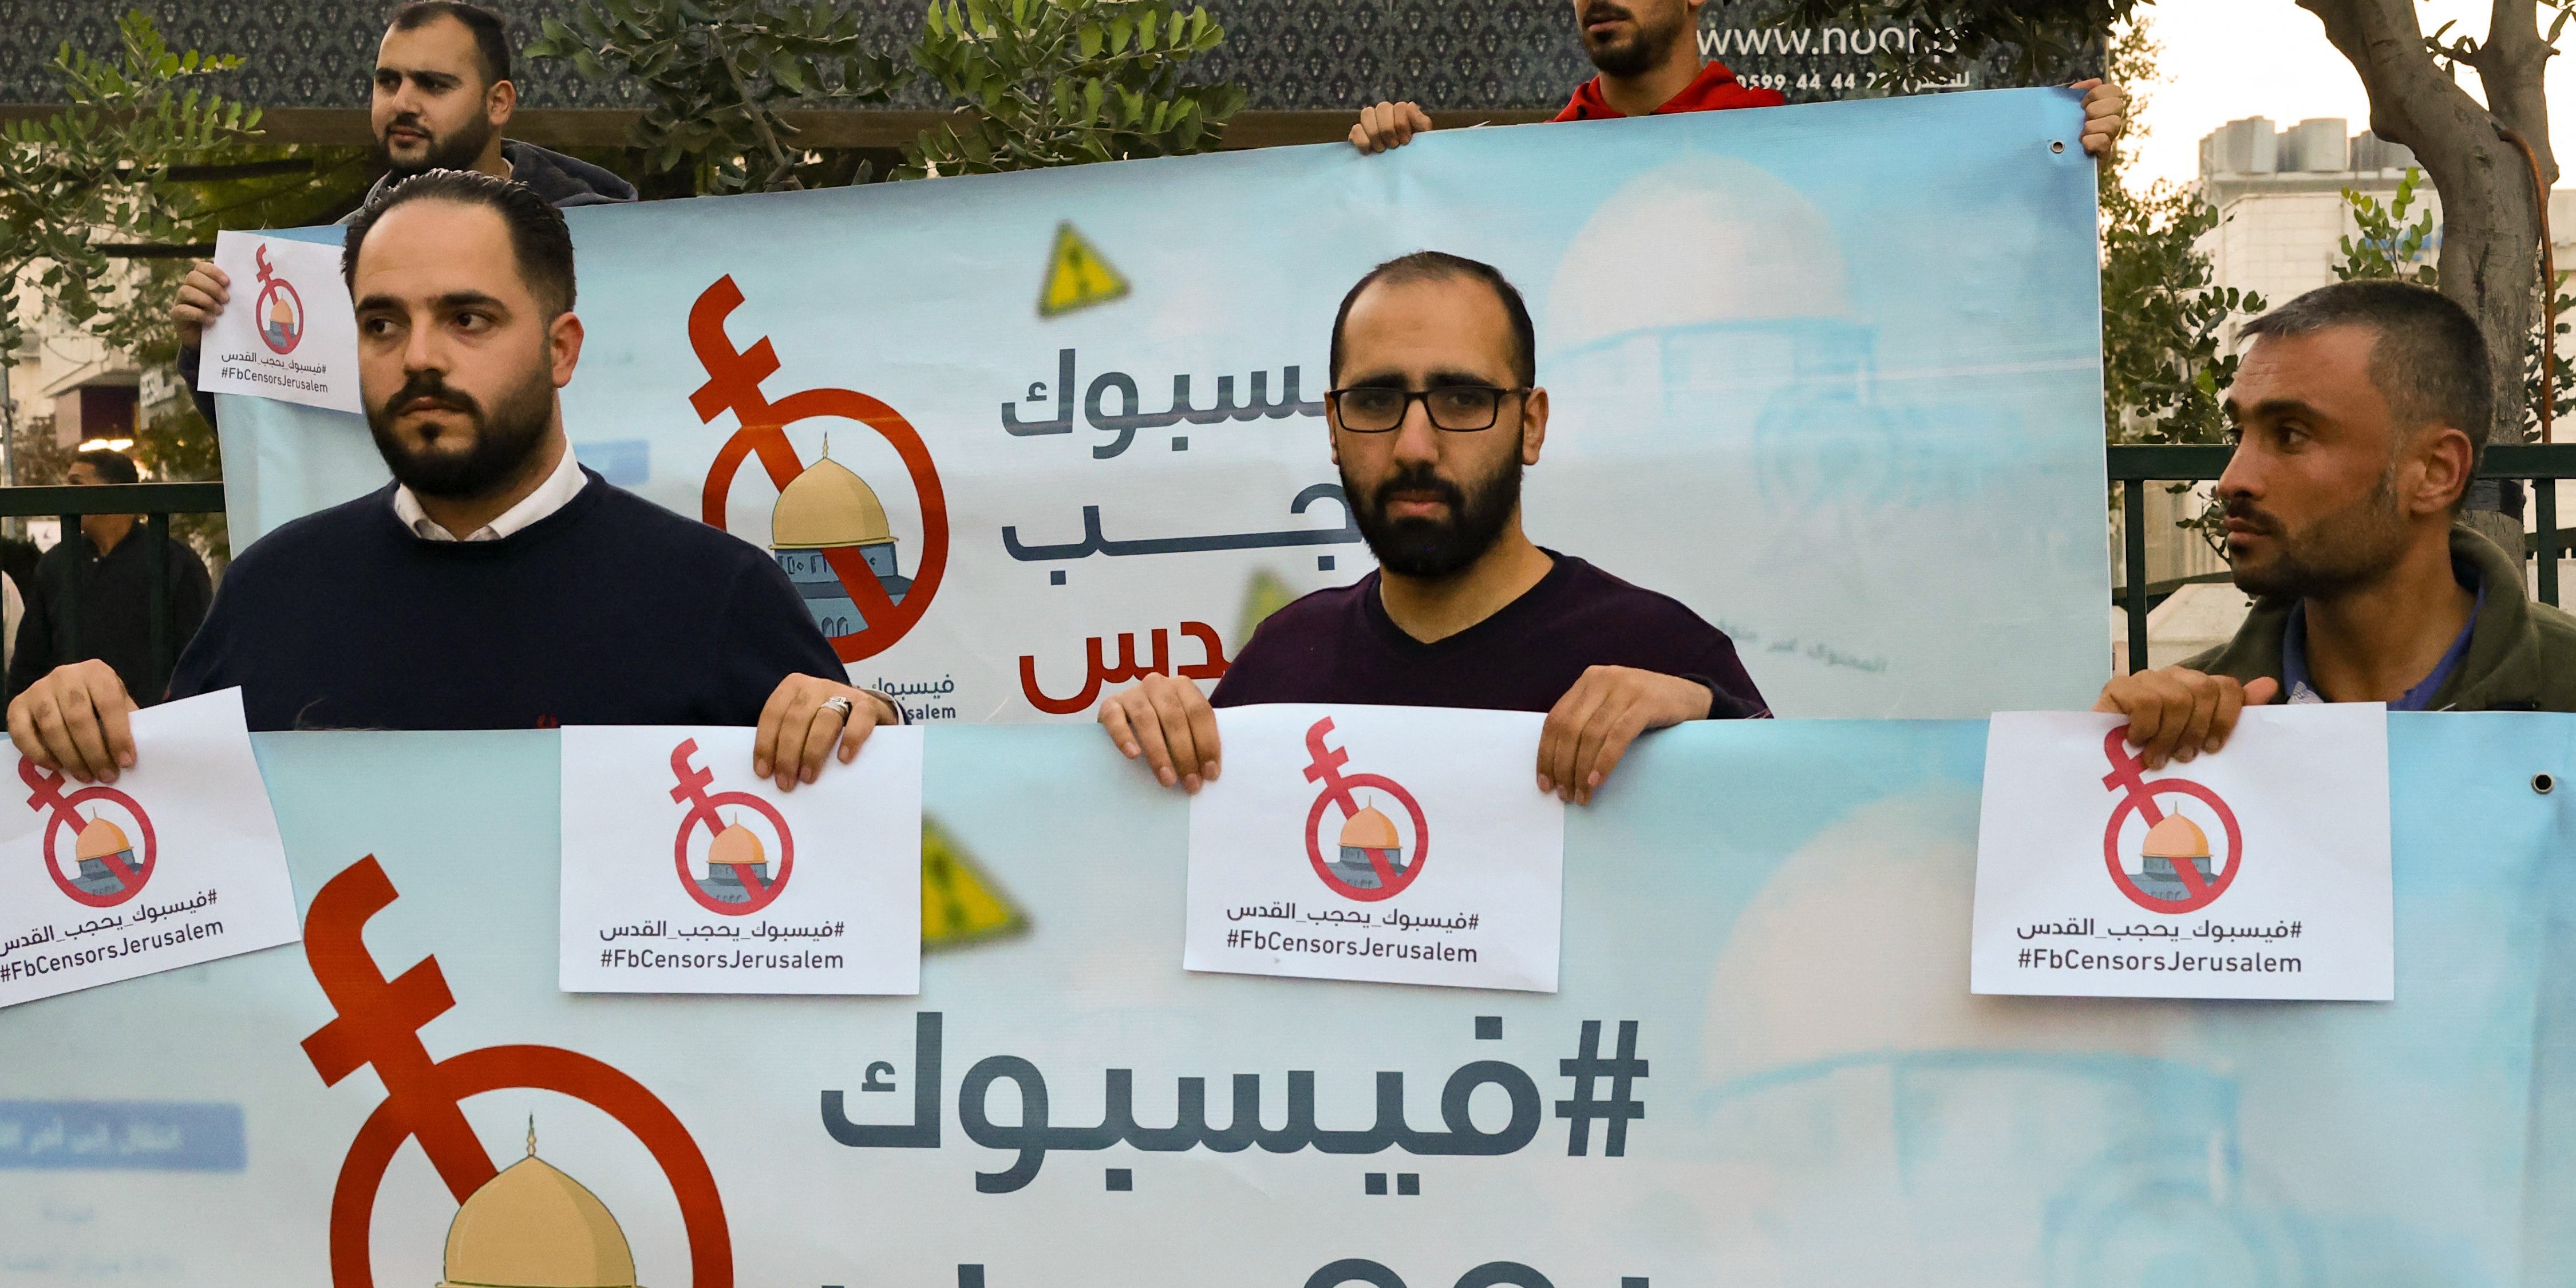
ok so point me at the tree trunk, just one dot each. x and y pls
(2490, 226)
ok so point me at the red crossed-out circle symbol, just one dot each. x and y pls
(692, 788)
(733, 384)
(62, 811)
(1325, 767)
(271, 287)
(377, 1022)
(2137, 795)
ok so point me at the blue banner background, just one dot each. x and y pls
(1783, 908)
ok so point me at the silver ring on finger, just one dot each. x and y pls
(840, 705)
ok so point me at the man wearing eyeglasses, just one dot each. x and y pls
(1434, 417)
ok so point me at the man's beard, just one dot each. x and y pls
(458, 151)
(504, 438)
(2341, 552)
(1633, 58)
(1434, 548)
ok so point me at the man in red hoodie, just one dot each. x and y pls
(1648, 55)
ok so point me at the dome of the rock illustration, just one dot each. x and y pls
(1370, 829)
(99, 839)
(103, 859)
(2175, 845)
(2176, 837)
(827, 506)
(534, 1227)
(737, 846)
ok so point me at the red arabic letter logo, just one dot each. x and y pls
(739, 880)
(875, 605)
(378, 1023)
(1370, 862)
(107, 865)
(279, 311)
(2176, 871)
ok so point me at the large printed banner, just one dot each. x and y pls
(1828, 374)
(1764, 1066)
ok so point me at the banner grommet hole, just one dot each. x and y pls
(2543, 783)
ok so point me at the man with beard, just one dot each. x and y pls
(442, 96)
(1434, 417)
(2359, 415)
(1647, 52)
(495, 583)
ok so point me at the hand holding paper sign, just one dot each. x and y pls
(201, 296)
(1171, 725)
(2176, 714)
(74, 720)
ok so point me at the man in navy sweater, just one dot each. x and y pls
(495, 583)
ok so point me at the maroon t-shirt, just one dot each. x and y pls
(1340, 646)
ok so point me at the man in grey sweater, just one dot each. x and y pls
(442, 96)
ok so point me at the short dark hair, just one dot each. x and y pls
(538, 238)
(2429, 359)
(491, 37)
(1432, 266)
(112, 467)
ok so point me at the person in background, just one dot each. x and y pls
(2359, 413)
(443, 94)
(495, 583)
(1647, 53)
(1435, 415)
(93, 593)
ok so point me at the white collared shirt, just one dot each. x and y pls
(559, 489)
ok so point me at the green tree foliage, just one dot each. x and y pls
(2390, 245)
(722, 74)
(1062, 82)
(2164, 372)
(96, 176)
(102, 203)
(2036, 36)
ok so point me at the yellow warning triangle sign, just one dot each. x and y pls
(1076, 276)
(959, 904)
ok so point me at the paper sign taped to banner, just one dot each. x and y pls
(1313, 854)
(288, 331)
(177, 862)
(2261, 871)
(683, 873)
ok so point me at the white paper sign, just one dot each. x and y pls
(287, 331)
(1401, 845)
(682, 873)
(2259, 872)
(177, 862)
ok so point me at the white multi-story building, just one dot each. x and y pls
(2282, 212)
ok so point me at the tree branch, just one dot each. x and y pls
(2511, 66)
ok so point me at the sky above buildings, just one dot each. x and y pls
(2225, 59)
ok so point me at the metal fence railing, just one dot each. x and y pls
(156, 502)
(2134, 467)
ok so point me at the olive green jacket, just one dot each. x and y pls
(2522, 655)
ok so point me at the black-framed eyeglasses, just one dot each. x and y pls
(1377, 409)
